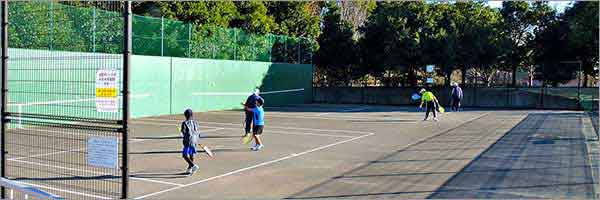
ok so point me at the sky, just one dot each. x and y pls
(558, 5)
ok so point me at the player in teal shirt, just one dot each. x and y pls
(258, 119)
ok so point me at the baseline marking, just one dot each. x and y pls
(255, 166)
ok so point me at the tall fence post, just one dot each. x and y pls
(298, 49)
(125, 99)
(94, 29)
(4, 89)
(235, 46)
(189, 40)
(285, 50)
(162, 35)
(51, 25)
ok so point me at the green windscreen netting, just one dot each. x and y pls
(85, 29)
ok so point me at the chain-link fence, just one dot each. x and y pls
(61, 105)
(82, 29)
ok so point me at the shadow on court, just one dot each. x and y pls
(545, 156)
(487, 159)
(199, 151)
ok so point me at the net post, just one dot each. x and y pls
(125, 99)
(4, 89)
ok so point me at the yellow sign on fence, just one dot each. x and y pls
(106, 92)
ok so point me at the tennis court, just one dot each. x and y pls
(347, 151)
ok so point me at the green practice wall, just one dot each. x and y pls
(204, 85)
(159, 85)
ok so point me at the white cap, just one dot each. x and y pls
(422, 90)
(256, 91)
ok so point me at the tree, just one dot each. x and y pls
(393, 38)
(582, 19)
(516, 25)
(479, 37)
(356, 13)
(551, 49)
(442, 45)
(296, 18)
(252, 17)
(337, 56)
(200, 12)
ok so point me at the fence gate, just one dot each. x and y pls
(64, 113)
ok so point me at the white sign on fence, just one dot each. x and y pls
(103, 152)
(106, 91)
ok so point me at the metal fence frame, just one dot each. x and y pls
(123, 122)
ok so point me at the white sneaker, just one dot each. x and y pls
(257, 147)
(435, 119)
(189, 170)
(194, 169)
(425, 119)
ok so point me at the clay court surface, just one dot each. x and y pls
(364, 152)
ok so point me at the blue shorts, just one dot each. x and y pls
(188, 150)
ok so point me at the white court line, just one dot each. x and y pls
(269, 131)
(281, 127)
(255, 166)
(174, 135)
(338, 117)
(59, 167)
(73, 150)
(243, 93)
(155, 181)
(51, 131)
(346, 110)
(65, 191)
(46, 154)
(306, 133)
(94, 172)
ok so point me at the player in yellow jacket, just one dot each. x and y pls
(430, 102)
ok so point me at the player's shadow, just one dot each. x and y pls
(157, 138)
(387, 121)
(156, 152)
(220, 136)
(100, 177)
(180, 137)
(161, 175)
(199, 151)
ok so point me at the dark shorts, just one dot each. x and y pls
(188, 150)
(456, 98)
(257, 130)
